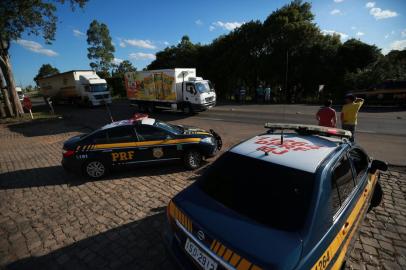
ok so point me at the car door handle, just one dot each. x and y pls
(143, 148)
(107, 151)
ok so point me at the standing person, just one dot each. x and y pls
(260, 94)
(267, 94)
(237, 94)
(243, 93)
(327, 116)
(349, 113)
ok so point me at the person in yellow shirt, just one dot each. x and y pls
(349, 113)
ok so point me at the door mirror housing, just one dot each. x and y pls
(378, 165)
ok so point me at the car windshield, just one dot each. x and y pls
(203, 87)
(98, 88)
(169, 127)
(268, 193)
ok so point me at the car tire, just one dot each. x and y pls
(150, 108)
(193, 159)
(376, 197)
(95, 169)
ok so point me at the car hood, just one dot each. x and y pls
(262, 245)
(187, 130)
(72, 142)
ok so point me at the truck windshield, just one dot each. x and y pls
(98, 88)
(203, 87)
(268, 193)
(169, 127)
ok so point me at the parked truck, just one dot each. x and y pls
(82, 87)
(175, 89)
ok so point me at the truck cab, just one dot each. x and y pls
(174, 89)
(95, 90)
(198, 94)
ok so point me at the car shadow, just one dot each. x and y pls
(46, 127)
(135, 245)
(56, 175)
(82, 119)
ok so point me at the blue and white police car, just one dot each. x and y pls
(292, 198)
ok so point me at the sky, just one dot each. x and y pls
(139, 29)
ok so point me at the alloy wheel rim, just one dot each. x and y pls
(95, 169)
(193, 159)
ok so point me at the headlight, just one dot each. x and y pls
(209, 140)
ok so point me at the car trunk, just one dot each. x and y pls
(264, 246)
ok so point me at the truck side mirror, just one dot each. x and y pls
(378, 165)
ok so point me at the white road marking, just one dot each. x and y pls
(209, 118)
(366, 131)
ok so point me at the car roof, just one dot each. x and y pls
(302, 152)
(128, 122)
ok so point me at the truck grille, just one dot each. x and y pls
(209, 99)
(105, 96)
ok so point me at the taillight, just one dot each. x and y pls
(67, 153)
(170, 213)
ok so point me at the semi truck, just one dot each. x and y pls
(174, 89)
(83, 87)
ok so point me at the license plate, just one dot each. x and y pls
(200, 257)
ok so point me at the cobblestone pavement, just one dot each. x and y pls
(53, 220)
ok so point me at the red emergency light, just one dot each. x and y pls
(139, 116)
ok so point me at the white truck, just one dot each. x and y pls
(175, 89)
(82, 87)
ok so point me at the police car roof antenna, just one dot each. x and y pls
(108, 110)
(286, 90)
(281, 136)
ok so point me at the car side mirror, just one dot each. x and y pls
(378, 165)
(168, 137)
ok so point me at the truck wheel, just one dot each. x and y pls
(141, 108)
(187, 109)
(193, 159)
(95, 169)
(150, 108)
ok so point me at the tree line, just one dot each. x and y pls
(288, 52)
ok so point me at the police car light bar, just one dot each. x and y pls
(139, 116)
(310, 129)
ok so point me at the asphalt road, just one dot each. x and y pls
(382, 134)
(381, 131)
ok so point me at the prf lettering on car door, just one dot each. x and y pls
(122, 156)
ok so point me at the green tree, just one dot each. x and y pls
(116, 82)
(122, 68)
(100, 48)
(45, 70)
(25, 16)
(355, 54)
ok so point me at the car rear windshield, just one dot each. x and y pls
(268, 193)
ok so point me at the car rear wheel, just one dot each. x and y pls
(94, 169)
(376, 197)
(193, 159)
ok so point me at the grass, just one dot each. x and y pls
(38, 116)
(33, 94)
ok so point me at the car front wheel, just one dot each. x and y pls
(193, 159)
(95, 169)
